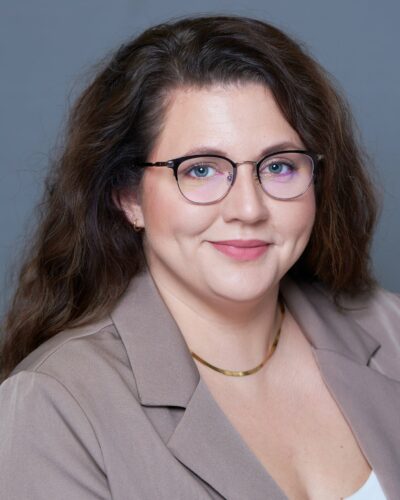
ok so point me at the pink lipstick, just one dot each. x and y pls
(241, 249)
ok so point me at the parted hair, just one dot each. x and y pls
(84, 252)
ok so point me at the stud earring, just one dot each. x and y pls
(136, 228)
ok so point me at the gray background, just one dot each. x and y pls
(47, 47)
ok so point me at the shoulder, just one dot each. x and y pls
(370, 308)
(377, 312)
(84, 361)
(52, 393)
(83, 337)
(88, 343)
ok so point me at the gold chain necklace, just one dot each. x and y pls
(239, 373)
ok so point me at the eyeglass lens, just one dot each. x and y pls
(208, 179)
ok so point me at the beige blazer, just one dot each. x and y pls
(117, 410)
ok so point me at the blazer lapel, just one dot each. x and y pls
(371, 404)
(204, 439)
(368, 399)
(210, 446)
(166, 375)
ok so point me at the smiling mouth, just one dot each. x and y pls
(241, 250)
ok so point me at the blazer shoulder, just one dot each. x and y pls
(34, 405)
(93, 353)
(60, 342)
(377, 311)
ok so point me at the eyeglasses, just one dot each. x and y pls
(207, 179)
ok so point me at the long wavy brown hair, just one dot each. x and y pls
(84, 252)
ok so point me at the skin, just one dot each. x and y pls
(226, 309)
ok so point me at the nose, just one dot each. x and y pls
(246, 201)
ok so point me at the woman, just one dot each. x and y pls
(197, 317)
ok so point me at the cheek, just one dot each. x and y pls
(306, 218)
(168, 215)
(296, 219)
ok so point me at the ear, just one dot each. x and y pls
(127, 201)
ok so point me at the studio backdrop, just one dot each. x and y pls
(48, 47)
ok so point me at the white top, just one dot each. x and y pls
(370, 490)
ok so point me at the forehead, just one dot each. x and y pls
(238, 119)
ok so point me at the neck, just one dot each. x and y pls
(230, 335)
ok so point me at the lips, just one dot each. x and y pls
(241, 249)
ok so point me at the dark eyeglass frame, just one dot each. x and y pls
(175, 162)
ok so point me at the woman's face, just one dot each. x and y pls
(180, 238)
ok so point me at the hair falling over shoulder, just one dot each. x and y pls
(84, 251)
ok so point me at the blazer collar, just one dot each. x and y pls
(345, 353)
(204, 439)
(165, 373)
(324, 325)
(164, 369)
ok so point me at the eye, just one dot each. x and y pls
(204, 169)
(201, 171)
(277, 167)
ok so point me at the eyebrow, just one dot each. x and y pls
(282, 146)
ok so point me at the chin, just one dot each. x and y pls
(243, 287)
